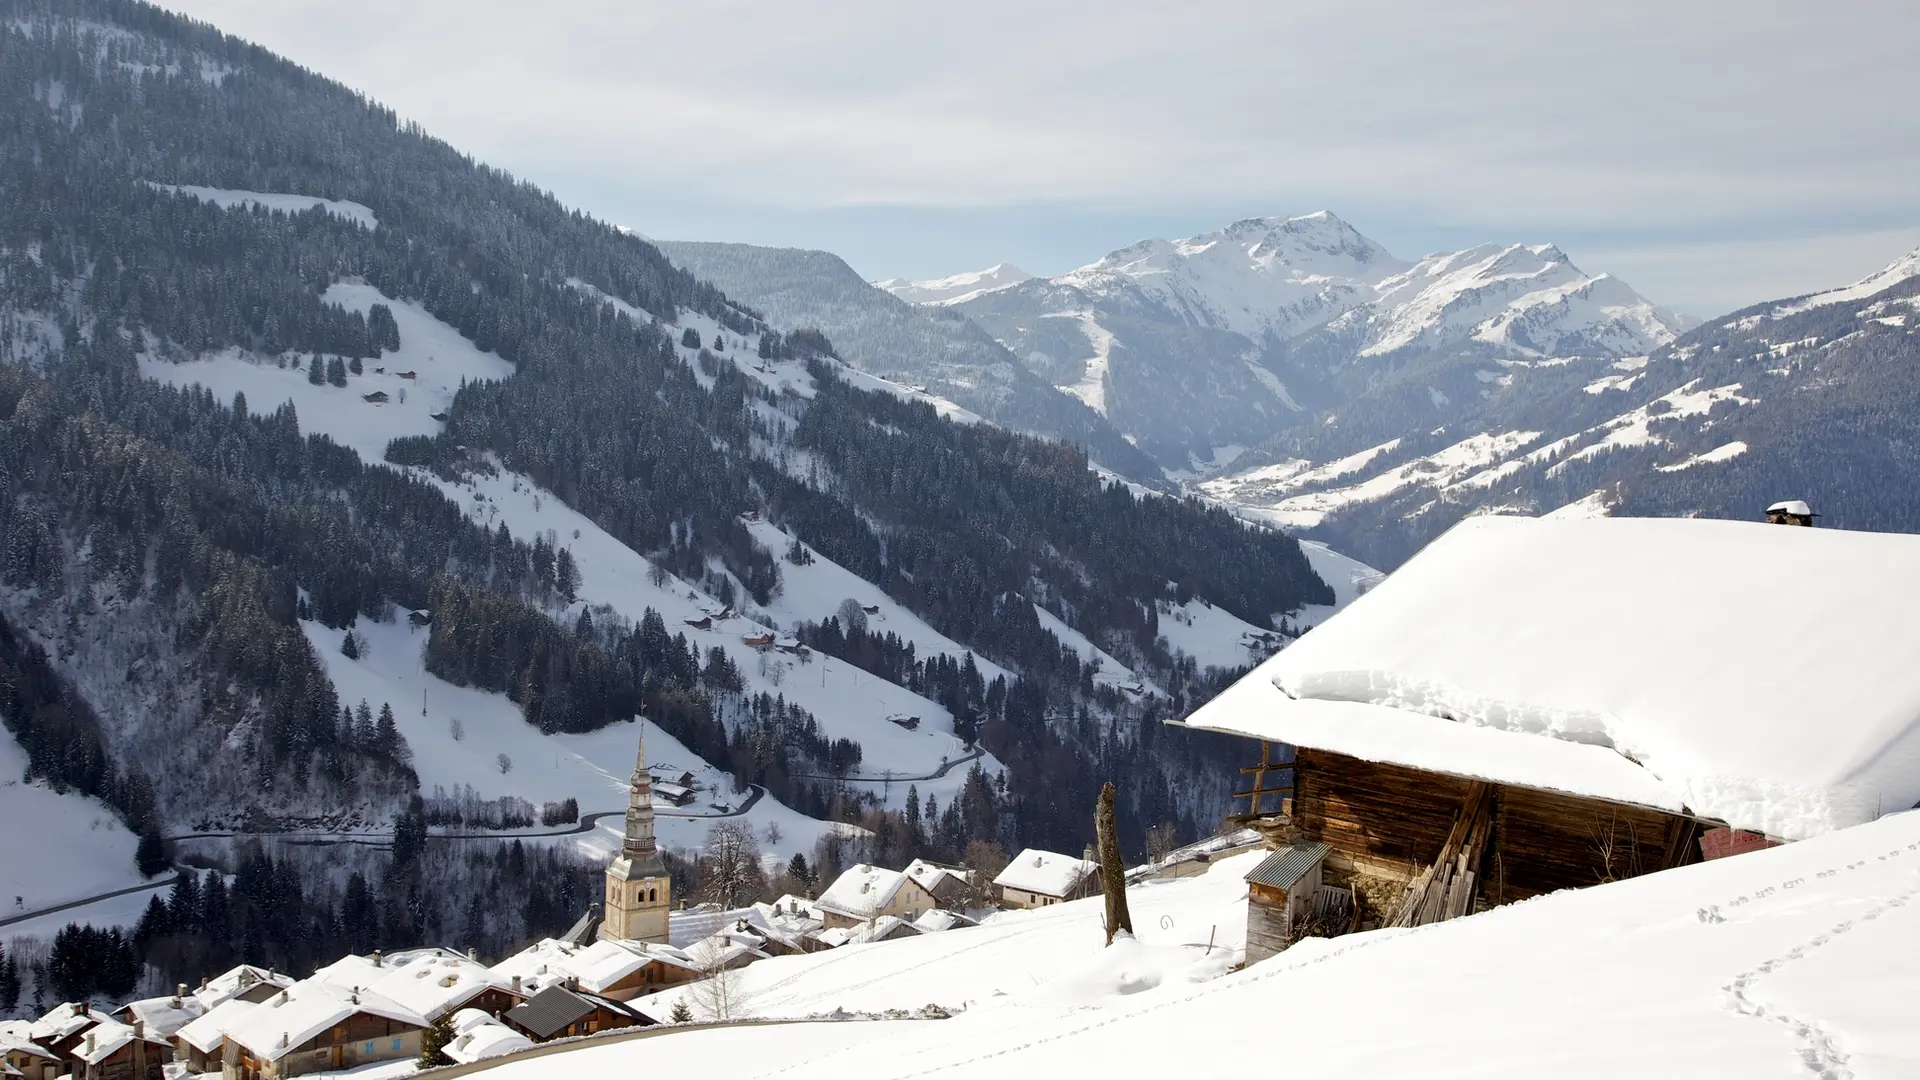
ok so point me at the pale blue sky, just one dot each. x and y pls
(1711, 154)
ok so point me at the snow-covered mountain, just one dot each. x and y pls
(1811, 397)
(1228, 338)
(956, 289)
(922, 345)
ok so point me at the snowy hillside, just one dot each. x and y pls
(848, 702)
(957, 289)
(56, 847)
(1200, 346)
(1769, 964)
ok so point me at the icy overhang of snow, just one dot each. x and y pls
(1760, 675)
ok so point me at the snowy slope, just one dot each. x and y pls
(1778, 963)
(1006, 956)
(847, 702)
(1902, 269)
(55, 847)
(282, 202)
(957, 289)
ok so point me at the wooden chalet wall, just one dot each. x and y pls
(1387, 823)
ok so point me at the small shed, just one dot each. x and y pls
(758, 641)
(1280, 892)
(1791, 512)
(911, 723)
(677, 794)
(704, 622)
(870, 609)
(407, 375)
(423, 617)
(378, 397)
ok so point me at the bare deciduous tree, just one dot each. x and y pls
(1113, 873)
(729, 866)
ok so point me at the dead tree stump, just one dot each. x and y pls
(1113, 873)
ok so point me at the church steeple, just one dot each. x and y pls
(638, 847)
(639, 894)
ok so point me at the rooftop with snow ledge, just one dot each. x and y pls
(1638, 661)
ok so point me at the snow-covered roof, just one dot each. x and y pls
(107, 1038)
(350, 971)
(932, 876)
(835, 937)
(237, 980)
(65, 1019)
(1639, 660)
(285, 1021)
(15, 1035)
(724, 950)
(938, 919)
(862, 890)
(164, 1015)
(880, 929)
(432, 982)
(1047, 873)
(486, 1039)
(1792, 506)
(207, 1031)
(596, 966)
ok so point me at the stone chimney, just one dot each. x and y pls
(473, 955)
(516, 985)
(376, 958)
(179, 991)
(139, 1028)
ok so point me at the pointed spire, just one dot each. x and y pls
(638, 845)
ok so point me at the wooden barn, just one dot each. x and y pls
(1533, 705)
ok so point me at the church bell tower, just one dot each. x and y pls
(639, 894)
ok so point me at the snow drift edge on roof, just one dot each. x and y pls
(1758, 674)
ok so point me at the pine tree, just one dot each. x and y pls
(681, 1014)
(337, 371)
(386, 734)
(9, 981)
(150, 856)
(433, 1042)
(566, 576)
(350, 646)
(316, 374)
(354, 365)
(690, 338)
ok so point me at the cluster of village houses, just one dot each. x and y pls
(254, 1024)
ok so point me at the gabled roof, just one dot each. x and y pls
(597, 967)
(108, 1038)
(237, 980)
(1642, 661)
(936, 878)
(1047, 873)
(939, 919)
(884, 928)
(64, 1021)
(863, 889)
(288, 1019)
(548, 1013)
(206, 1033)
(14, 1037)
(164, 1015)
(488, 1040)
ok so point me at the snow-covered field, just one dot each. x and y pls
(1790, 962)
(76, 847)
(227, 198)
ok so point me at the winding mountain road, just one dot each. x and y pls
(936, 774)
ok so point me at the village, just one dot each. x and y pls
(1423, 757)
(440, 1005)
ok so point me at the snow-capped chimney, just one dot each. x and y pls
(89, 1042)
(139, 1028)
(376, 958)
(474, 955)
(179, 991)
(1790, 512)
(516, 985)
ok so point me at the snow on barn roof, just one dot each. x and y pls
(15, 1037)
(285, 1021)
(207, 1031)
(1047, 873)
(1638, 660)
(1796, 507)
(67, 1018)
(861, 891)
